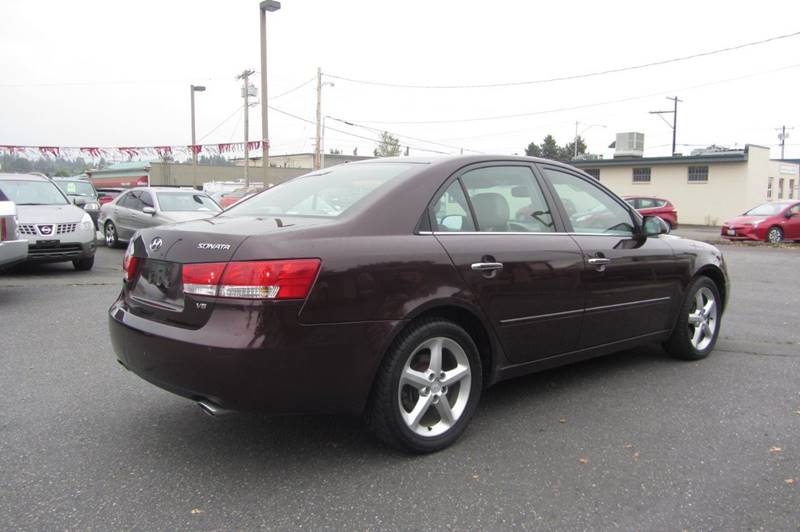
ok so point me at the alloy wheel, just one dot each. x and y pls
(110, 235)
(703, 319)
(774, 236)
(434, 387)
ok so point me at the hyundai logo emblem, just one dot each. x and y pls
(156, 244)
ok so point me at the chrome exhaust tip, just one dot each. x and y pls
(211, 409)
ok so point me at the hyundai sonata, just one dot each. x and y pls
(401, 288)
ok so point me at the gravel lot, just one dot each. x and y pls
(633, 441)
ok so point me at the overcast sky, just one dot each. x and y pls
(111, 73)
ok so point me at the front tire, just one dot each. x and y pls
(84, 265)
(427, 388)
(698, 326)
(111, 235)
(775, 235)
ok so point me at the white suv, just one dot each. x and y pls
(56, 230)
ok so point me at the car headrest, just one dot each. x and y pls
(491, 210)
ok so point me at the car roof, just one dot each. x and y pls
(165, 189)
(24, 177)
(644, 197)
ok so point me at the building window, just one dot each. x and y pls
(791, 189)
(641, 175)
(594, 172)
(698, 174)
(780, 188)
(770, 181)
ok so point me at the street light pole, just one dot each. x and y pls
(575, 141)
(192, 90)
(267, 5)
(245, 77)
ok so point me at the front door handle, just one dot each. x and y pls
(486, 266)
(598, 261)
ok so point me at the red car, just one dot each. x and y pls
(649, 206)
(229, 198)
(772, 222)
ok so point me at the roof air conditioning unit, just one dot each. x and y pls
(629, 145)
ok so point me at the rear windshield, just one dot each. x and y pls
(77, 188)
(327, 193)
(186, 202)
(25, 192)
(767, 209)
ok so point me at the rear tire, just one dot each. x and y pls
(84, 265)
(111, 235)
(774, 235)
(427, 388)
(697, 329)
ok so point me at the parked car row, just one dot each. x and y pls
(56, 230)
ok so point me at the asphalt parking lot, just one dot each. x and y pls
(632, 441)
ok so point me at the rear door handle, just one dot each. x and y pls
(486, 266)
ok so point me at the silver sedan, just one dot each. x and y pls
(143, 207)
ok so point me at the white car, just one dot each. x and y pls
(13, 249)
(56, 230)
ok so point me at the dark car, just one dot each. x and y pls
(772, 222)
(401, 288)
(82, 193)
(107, 195)
(660, 207)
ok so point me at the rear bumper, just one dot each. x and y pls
(255, 357)
(13, 251)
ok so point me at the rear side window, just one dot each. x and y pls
(328, 193)
(507, 198)
(452, 212)
(129, 201)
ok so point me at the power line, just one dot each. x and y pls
(371, 139)
(306, 82)
(235, 111)
(583, 106)
(376, 130)
(572, 76)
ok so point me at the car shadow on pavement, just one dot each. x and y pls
(258, 441)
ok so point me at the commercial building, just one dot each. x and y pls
(706, 187)
(303, 160)
(131, 174)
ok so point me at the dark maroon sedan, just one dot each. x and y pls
(401, 288)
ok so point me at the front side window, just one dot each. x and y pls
(451, 211)
(186, 202)
(24, 192)
(129, 200)
(698, 174)
(327, 193)
(507, 198)
(145, 200)
(589, 208)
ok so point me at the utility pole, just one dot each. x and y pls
(782, 136)
(192, 90)
(674, 124)
(577, 135)
(244, 76)
(318, 147)
(271, 6)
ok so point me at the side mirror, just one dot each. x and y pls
(654, 226)
(452, 222)
(789, 214)
(149, 210)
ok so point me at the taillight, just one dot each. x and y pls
(272, 279)
(3, 230)
(130, 263)
(202, 279)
